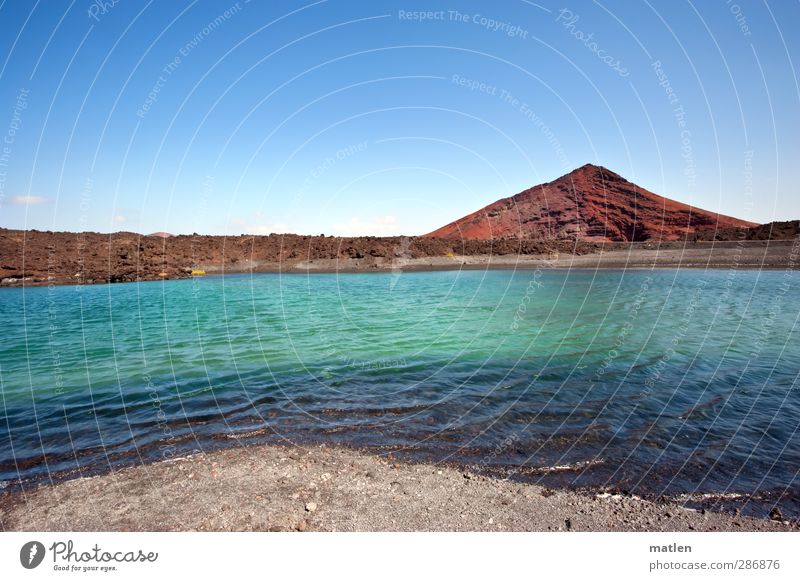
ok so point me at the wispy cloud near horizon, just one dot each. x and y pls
(28, 200)
(381, 226)
(266, 229)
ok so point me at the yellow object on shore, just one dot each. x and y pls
(198, 272)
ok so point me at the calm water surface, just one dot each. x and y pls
(669, 383)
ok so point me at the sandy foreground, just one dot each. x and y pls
(279, 488)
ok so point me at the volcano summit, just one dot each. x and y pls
(590, 203)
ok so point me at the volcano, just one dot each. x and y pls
(590, 203)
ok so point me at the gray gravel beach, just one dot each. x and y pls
(280, 488)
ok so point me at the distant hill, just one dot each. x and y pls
(591, 203)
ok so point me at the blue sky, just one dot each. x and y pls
(352, 118)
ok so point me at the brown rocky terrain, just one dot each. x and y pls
(772, 231)
(34, 257)
(590, 203)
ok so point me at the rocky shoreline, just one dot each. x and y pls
(288, 488)
(30, 258)
(39, 258)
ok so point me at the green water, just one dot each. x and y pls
(662, 382)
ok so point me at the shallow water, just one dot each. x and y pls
(657, 383)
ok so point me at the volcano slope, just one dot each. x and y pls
(593, 204)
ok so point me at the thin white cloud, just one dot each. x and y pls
(119, 218)
(258, 224)
(382, 226)
(28, 200)
(264, 229)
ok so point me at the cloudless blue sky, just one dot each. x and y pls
(344, 117)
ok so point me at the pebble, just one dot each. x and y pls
(775, 514)
(311, 506)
